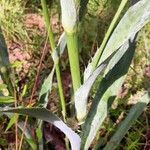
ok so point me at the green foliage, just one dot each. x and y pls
(108, 69)
(45, 115)
(11, 19)
(6, 99)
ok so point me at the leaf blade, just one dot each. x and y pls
(46, 115)
(134, 113)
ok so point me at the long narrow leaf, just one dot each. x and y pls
(46, 115)
(133, 20)
(80, 98)
(46, 89)
(107, 91)
(134, 113)
(6, 99)
(4, 63)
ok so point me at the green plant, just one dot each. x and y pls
(11, 19)
(111, 62)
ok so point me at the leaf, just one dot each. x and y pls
(6, 99)
(47, 85)
(133, 20)
(61, 44)
(46, 115)
(4, 64)
(69, 15)
(106, 93)
(12, 121)
(46, 89)
(4, 61)
(134, 113)
(39, 134)
(80, 98)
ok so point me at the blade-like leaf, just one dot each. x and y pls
(134, 19)
(134, 113)
(47, 85)
(61, 44)
(46, 89)
(80, 98)
(4, 61)
(12, 121)
(4, 64)
(107, 91)
(6, 99)
(46, 115)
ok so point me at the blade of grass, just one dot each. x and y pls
(16, 121)
(106, 93)
(46, 115)
(4, 64)
(134, 113)
(80, 98)
(6, 99)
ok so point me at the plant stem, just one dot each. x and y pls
(48, 26)
(108, 33)
(52, 43)
(62, 99)
(72, 44)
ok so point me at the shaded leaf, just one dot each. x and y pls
(46, 115)
(106, 93)
(4, 64)
(133, 20)
(12, 121)
(132, 116)
(46, 89)
(80, 98)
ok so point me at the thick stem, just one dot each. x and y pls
(72, 44)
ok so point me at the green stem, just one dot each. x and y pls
(47, 23)
(72, 44)
(61, 94)
(109, 31)
(52, 43)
